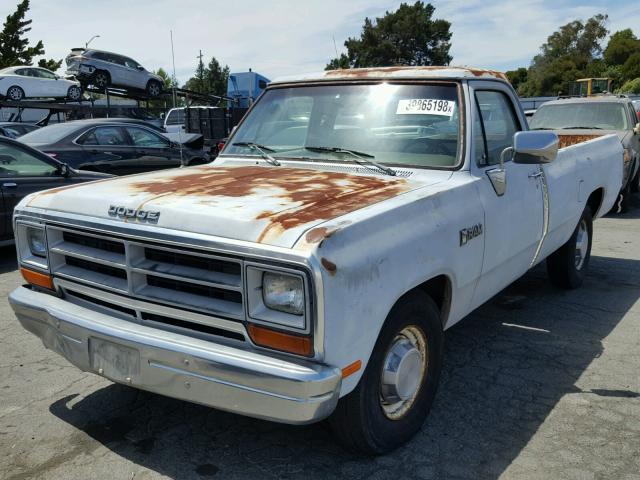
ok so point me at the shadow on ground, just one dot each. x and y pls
(506, 367)
(8, 260)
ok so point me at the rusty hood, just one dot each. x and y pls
(265, 204)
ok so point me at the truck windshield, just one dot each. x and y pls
(396, 124)
(598, 115)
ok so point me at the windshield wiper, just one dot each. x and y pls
(261, 149)
(541, 128)
(361, 157)
(580, 128)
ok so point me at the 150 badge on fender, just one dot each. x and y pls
(470, 233)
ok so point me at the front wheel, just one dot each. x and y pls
(100, 80)
(74, 93)
(396, 391)
(635, 183)
(568, 265)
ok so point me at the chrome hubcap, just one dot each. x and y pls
(14, 94)
(403, 372)
(582, 244)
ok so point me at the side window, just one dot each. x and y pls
(144, 138)
(15, 162)
(22, 72)
(44, 74)
(112, 136)
(130, 63)
(499, 123)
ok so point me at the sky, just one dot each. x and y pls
(286, 37)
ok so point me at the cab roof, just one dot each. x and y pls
(423, 72)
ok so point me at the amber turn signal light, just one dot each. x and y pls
(265, 337)
(36, 278)
(351, 368)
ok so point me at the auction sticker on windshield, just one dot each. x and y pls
(425, 106)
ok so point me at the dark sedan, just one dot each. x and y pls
(15, 129)
(116, 147)
(24, 170)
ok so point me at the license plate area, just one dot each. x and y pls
(114, 361)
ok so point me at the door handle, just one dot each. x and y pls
(535, 175)
(9, 185)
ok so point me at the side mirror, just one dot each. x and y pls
(140, 67)
(64, 170)
(532, 148)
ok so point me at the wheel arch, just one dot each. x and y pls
(594, 202)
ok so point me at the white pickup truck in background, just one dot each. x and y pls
(352, 217)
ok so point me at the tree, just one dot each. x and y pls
(632, 86)
(566, 56)
(211, 79)
(517, 77)
(166, 80)
(216, 77)
(14, 47)
(621, 46)
(631, 68)
(50, 64)
(408, 36)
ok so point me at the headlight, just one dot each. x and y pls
(36, 241)
(31, 241)
(282, 292)
(278, 297)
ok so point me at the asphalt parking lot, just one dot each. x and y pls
(539, 383)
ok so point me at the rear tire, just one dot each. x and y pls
(101, 80)
(379, 415)
(567, 266)
(154, 88)
(15, 93)
(635, 183)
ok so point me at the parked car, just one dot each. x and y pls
(590, 117)
(111, 146)
(16, 129)
(18, 83)
(353, 216)
(24, 170)
(134, 121)
(103, 69)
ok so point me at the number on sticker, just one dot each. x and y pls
(425, 106)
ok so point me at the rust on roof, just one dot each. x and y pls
(572, 139)
(307, 195)
(386, 71)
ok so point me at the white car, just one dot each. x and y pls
(18, 83)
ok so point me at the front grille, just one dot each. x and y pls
(187, 279)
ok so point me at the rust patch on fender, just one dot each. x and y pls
(568, 140)
(312, 194)
(329, 266)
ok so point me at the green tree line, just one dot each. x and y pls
(578, 50)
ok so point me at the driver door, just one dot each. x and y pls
(514, 209)
(22, 173)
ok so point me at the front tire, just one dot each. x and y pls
(74, 93)
(567, 266)
(635, 183)
(15, 93)
(396, 391)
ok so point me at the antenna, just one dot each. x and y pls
(174, 79)
(334, 45)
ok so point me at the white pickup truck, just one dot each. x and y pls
(310, 272)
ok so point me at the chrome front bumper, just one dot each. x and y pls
(245, 382)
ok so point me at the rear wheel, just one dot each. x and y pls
(15, 93)
(635, 183)
(154, 88)
(568, 265)
(397, 389)
(101, 80)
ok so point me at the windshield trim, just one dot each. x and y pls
(461, 130)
